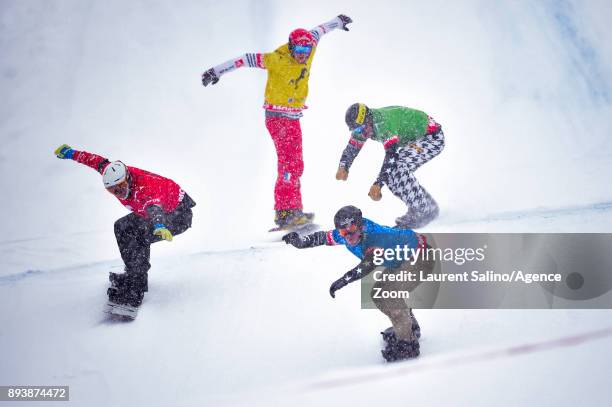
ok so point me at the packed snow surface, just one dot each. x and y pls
(232, 317)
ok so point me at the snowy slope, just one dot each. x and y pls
(522, 89)
(257, 326)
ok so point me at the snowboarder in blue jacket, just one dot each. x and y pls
(363, 237)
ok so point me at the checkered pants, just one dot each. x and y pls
(401, 179)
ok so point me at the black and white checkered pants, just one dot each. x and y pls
(401, 179)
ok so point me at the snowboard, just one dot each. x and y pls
(115, 311)
(301, 229)
(120, 312)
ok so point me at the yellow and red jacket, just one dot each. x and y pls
(287, 79)
(287, 86)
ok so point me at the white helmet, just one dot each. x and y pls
(114, 173)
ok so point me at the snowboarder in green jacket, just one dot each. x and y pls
(410, 138)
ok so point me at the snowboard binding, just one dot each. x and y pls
(389, 333)
(397, 349)
(415, 220)
(125, 294)
(292, 219)
(401, 350)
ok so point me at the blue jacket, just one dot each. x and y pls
(376, 236)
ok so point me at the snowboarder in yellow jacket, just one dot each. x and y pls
(285, 97)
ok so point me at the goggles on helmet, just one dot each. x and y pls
(349, 230)
(121, 190)
(302, 49)
(358, 130)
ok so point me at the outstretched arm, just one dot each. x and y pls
(330, 238)
(91, 160)
(341, 21)
(356, 273)
(251, 60)
(303, 242)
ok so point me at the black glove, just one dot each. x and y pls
(345, 21)
(302, 242)
(293, 239)
(336, 285)
(209, 77)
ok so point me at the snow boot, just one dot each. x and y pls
(401, 350)
(116, 292)
(127, 288)
(397, 349)
(413, 220)
(136, 286)
(116, 279)
(288, 218)
(389, 333)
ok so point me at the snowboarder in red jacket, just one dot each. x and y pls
(159, 208)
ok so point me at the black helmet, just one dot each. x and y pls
(347, 216)
(356, 115)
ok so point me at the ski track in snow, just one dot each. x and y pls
(327, 347)
(546, 213)
(558, 216)
(474, 357)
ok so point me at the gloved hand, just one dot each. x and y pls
(293, 239)
(336, 285)
(209, 77)
(346, 20)
(163, 232)
(64, 152)
(375, 193)
(342, 174)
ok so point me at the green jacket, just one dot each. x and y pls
(402, 122)
(394, 126)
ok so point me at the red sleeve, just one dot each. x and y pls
(91, 160)
(390, 141)
(330, 239)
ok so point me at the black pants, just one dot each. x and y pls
(135, 235)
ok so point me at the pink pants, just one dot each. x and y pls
(287, 136)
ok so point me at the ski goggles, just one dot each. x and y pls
(302, 49)
(120, 190)
(349, 230)
(358, 130)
